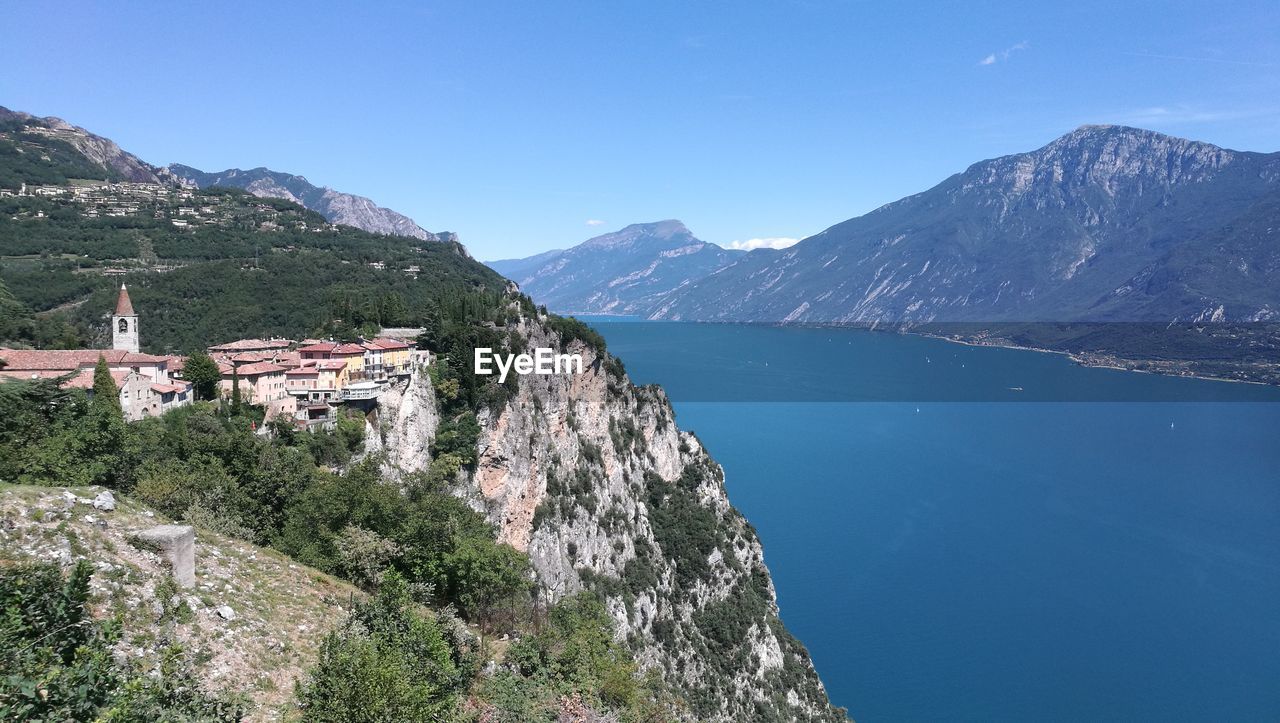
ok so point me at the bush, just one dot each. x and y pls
(388, 662)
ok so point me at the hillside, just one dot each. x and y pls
(213, 264)
(1106, 223)
(281, 610)
(337, 207)
(51, 150)
(622, 272)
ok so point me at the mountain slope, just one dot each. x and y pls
(1106, 223)
(337, 207)
(65, 147)
(620, 272)
(281, 610)
(522, 268)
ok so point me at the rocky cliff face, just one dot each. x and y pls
(593, 479)
(338, 207)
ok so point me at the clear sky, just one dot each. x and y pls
(518, 123)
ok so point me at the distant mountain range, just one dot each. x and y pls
(1106, 223)
(336, 206)
(108, 161)
(625, 272)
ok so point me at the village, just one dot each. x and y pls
(307, 382)
(182, 205)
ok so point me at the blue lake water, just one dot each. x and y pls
(989, 558)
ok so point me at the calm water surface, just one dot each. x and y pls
(994, 559)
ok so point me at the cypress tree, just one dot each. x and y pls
(235, 392)
(105, 393)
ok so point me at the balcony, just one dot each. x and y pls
(358, 391)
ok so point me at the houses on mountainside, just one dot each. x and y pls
(311, 379)
(147, 383)
(304, 381)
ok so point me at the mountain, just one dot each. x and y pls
(521, 268)
(63, 147)
(1106, 223)
(617, 273)
(337, 207)
(67, 149)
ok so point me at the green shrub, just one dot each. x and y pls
(388, 662)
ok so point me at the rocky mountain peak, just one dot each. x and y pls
(336, 206)
(1105, 157)
(642, 234)
(98, 150)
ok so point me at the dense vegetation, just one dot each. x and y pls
(255, 271)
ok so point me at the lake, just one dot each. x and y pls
(969, 533)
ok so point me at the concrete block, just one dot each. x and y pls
(177, 545)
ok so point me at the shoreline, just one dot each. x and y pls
(1084, 361)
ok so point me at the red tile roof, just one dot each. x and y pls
(331, 365)
(386, 343)
(82, 380)
(321, 347)
(348, 349)
(68, 359)
(252, 345)
(254, 370)
(383, 344)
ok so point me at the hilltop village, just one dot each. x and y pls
(306, 381)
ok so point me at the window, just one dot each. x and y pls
(124, 326)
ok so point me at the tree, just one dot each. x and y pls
(105, 393)
(236, 404)
(202, 371)
(387, 662)
(102, 441)
(483, 574)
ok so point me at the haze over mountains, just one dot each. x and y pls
(1106, 223)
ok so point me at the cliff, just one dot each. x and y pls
(591, 477)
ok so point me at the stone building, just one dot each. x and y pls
(145, 382)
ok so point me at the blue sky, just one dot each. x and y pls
(517, 123)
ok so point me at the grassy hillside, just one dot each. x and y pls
(282, 610)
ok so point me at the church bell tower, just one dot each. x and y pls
(124, 324)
